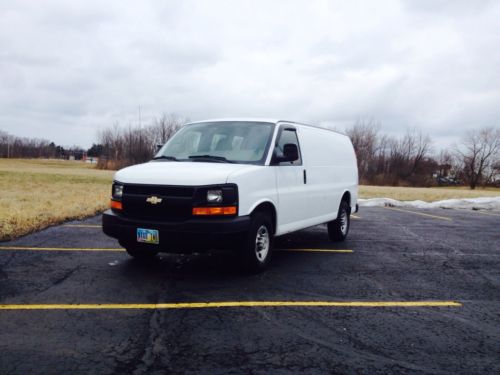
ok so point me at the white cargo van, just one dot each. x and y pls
(236, 184)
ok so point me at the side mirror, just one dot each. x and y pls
(158, 147)
(290, 153)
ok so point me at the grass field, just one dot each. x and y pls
(38, 193)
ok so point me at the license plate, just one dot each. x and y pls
(148, 236)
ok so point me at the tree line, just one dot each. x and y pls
(116, 147)
(22, 147)
(406, 160)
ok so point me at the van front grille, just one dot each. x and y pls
(172, 191)
(172, 203)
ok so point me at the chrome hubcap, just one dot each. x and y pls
(343, 222)
(262, 243)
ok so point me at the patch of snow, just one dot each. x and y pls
(484, 203)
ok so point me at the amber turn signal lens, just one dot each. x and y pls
(230, 210)
(207, 211)
(116, 205)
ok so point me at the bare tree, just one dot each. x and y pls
(415, 148)
(495, 175)
(164, 128)
(479, 152)
(4, 144)
(390, 160)
(492, 174)
(364, 137)
(167, 125)
(135, 144)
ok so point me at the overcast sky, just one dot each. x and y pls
(69, 68)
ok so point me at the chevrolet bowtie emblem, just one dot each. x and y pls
(154, 200)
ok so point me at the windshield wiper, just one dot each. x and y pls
(165, 157)
(219, 159)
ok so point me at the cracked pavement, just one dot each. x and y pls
(397, 256)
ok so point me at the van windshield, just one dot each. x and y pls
(220, 142)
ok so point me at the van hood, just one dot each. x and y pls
(179, 173)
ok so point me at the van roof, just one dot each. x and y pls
(257, 119)
(234, 119)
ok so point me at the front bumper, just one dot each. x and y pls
(191, 235)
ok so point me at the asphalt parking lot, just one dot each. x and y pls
(410, 291)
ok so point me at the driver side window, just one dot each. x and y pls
(287, 136)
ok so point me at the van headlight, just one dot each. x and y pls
(117, 191)
(218, 201)
(214, 196)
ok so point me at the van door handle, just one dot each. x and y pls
(305, 177)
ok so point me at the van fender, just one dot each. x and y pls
(267, 201)
(349, 197)
(259, 202)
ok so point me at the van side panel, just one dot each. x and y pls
(331, 169)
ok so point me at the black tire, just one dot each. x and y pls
(338, 229)
(257, 243)
(138, 252)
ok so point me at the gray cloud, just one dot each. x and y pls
(69, 68)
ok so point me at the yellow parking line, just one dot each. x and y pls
(82, 225)
(419, 213)
(202, 305)
(315, 250)
(355, 216)
(58, 248)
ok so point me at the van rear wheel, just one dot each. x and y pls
(339, 228)
(257, 244)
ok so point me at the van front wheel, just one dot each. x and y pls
(339, 228)
(257, 244)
